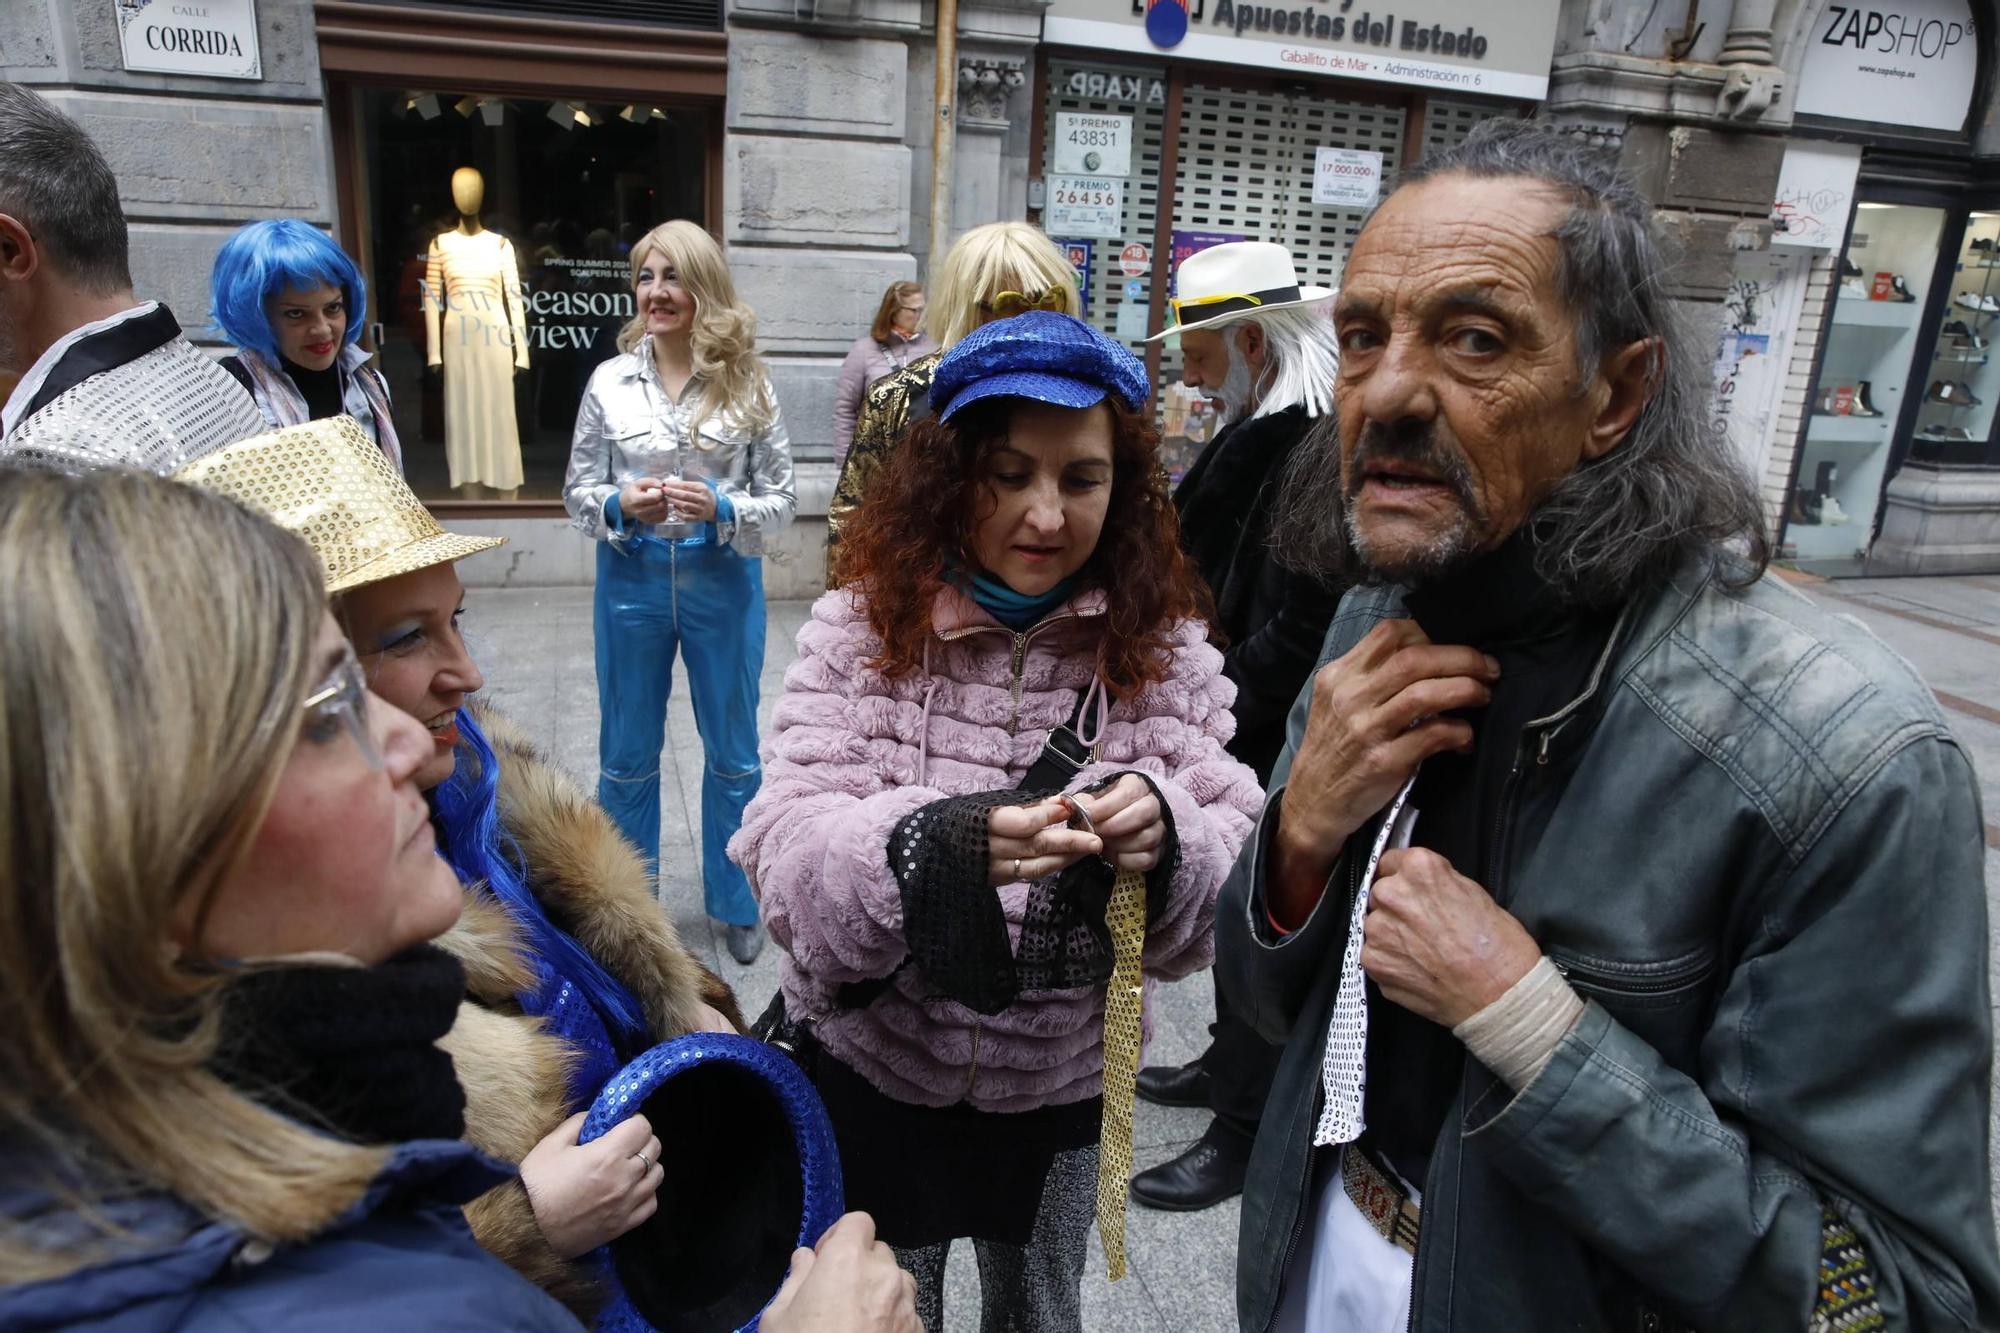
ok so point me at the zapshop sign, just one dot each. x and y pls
(1911, 63)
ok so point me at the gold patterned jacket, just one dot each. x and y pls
(885, 413)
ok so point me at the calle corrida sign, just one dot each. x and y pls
(216, 39)
(1496, 48)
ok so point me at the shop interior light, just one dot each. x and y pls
(1874, 206)
(639, 115)
(492, 110)
(424, 104)
(569, 115)
(466, 105)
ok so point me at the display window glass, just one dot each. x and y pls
(1955, 421)
(1865, 381)
(497, 239)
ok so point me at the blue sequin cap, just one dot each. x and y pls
(1042, 355)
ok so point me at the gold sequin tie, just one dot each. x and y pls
(1126, 916)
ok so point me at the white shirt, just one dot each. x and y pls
(31, 383)
(1346, 1275)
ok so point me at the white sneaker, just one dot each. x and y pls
(1985, 305)
(1830, 512)
(1854, 287)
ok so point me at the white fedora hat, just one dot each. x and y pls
(1234, 280)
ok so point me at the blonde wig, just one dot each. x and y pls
(158, 642)
(734, 383)
(998, 257)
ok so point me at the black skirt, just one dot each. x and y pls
(928, 1174)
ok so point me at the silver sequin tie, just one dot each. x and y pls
(1345, 1069)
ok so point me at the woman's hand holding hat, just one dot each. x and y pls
(586, 1195)
(850, 1284)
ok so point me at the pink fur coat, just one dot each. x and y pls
(850, 753)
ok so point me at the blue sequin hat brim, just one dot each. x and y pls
(821, 1196)
(1058, 390)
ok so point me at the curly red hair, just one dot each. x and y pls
(913, 529)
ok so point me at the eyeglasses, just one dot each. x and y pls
(342, 700)
(1009, 304)
(1180, 303)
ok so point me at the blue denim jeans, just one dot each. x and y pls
(708, 602)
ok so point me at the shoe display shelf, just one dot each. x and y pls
(1963, 383)
(1870, 345)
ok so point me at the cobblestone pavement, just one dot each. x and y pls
(535, 647)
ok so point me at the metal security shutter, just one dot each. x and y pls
(1132, 91)
(1317, 235)
(1447, 123)
(1246, 166)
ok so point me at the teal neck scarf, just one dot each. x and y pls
(1014, 610)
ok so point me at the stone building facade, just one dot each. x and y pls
(801, 131)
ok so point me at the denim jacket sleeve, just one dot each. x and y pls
(1847, 1060)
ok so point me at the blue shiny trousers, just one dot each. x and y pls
(709, 602)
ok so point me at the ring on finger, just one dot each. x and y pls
(644, 1165)
(1017, 867)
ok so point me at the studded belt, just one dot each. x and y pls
(1387, 1205)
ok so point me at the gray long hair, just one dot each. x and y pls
(1300, 360)
(1672, 489)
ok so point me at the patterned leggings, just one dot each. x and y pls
(1032, 1288)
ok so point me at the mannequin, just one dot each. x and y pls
(474, 326)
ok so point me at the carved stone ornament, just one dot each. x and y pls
(985, 87)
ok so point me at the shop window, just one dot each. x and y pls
(490, 322)
(1865, 384)
(1955, 422)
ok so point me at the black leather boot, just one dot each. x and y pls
(1209, 1172)
(1175, 1085)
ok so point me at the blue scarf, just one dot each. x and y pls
(1014, 610)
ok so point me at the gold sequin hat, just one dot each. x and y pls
(328, 482)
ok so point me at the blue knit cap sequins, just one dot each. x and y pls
(1042, 355)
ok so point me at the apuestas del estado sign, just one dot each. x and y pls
(1365, 29)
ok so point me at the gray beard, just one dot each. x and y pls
(1236, 388)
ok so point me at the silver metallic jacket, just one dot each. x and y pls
(628, 427)
(163, 409)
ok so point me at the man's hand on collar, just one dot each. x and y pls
(1378, 711)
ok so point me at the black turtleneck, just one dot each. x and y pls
(320, 388)
(1546, 650)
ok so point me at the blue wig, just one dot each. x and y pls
(281, 255)
(479, 850)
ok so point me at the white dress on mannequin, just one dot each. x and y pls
(478, 333)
